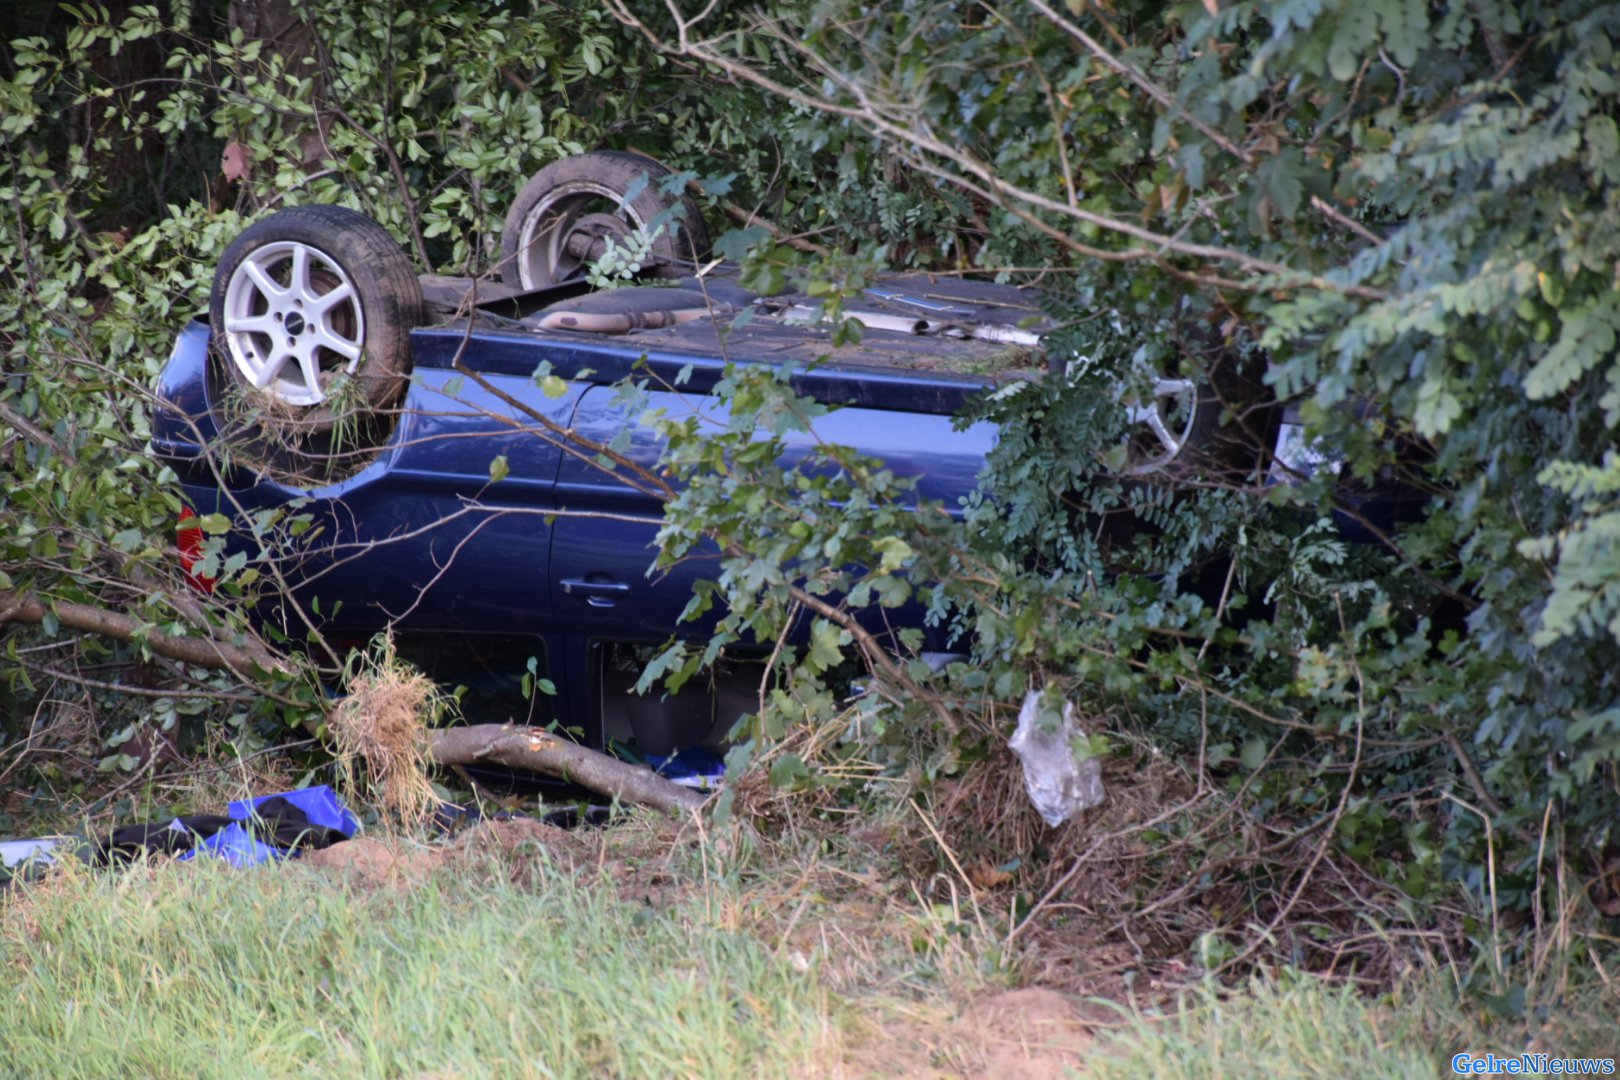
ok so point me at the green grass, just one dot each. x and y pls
(1299, 1028)
(202, 971)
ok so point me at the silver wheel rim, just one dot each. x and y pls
(293, 322)
(566, 213)
(1161, 426)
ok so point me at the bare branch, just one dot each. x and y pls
(907, 129)
(1332, 213)
(136, 691)
(539, 751)
(1141, 81)
(26, 608)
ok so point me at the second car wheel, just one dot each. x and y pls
(569, 211)
(1218, 420)
(308, 302)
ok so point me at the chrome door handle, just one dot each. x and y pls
(596, 593)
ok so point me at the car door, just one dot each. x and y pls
(605, 538)
(447, 526)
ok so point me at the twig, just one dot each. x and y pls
(977, 176)
(398, 169)
(137, 691)
(1333, 822)
(776, 652)
(748, 217)
(1476, 782)
(1490, 867)
(1348, 222)
(973, 894)
(1143, 83)
(35, 434)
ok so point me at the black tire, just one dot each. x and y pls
(561, 219)
(283, 343)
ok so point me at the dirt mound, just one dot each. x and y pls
(1032, 1033)
(377, 863)
(517, 838)
(510, 848)
(517, 849)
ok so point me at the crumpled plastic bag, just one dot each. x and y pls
(1059, 784)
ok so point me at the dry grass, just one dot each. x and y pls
(897, 945)
(220, 773)
(383, 723)
(1172, 877)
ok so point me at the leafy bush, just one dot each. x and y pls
(1411, 212)
(1414, 213)
(124, 182)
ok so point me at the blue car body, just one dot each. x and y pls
(547, 573)
(558, 554)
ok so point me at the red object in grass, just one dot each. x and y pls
(189, 538)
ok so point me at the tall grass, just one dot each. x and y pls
(199, 971)
(1298, 1026)
(782, 969)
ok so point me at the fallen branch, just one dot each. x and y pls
(243, 660)
(748, 217)
(540, 751)
(479, 744)
(138, 575)
(135, 691)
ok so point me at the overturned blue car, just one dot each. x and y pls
(437, 442)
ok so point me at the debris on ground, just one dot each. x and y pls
(1032, 1033)
(369, 861)
(268, 828)
(1060, 779)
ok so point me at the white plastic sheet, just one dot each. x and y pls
(1059, 782)
(15, 852)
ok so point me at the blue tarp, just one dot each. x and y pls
(236, 844)
(696, 767)
(319, 803)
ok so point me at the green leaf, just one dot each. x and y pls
(1253, 754)
(895, 551)
(1086, 747)
(1586, 339)
(498, 469)
(825, 651)
(789, 772)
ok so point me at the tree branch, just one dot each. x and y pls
(137, 691)
(1141, 81)
(20, 607)
(914, 134)
(540, 751)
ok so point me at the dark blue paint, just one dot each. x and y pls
(560, 547)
